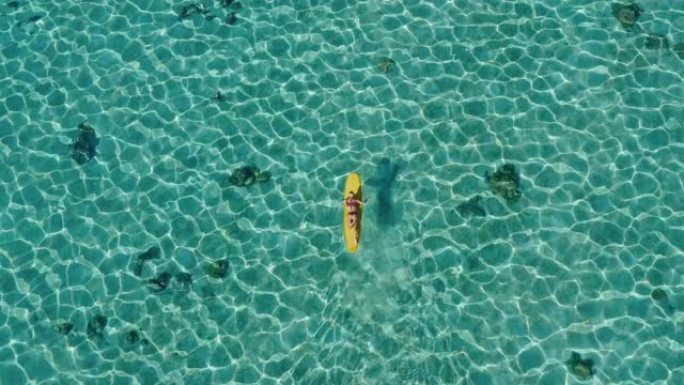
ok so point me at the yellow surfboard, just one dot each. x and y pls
(352, 234)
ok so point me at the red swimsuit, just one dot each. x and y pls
(352, 211)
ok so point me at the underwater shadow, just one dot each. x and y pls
(383, 182)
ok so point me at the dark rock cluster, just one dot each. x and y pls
(184, 279)
(219, 269)
(248, 175)
(661, 299)
(162, 281)
(96, 331)
(65, 328)
(132, 336)
(159, 283)
(581, 367)
(659, 295)
(219, 96)
(627, 14)
(197, 8)
(152, 253)
(232, 6)
(84, 147)
(96, 326)
(386, 65)
(505, 182)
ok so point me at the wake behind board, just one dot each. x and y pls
(352, 234)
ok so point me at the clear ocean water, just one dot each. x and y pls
(147, 265)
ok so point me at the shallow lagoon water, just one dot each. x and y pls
(587, 260)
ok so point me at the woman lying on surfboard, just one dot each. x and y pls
(353, 206)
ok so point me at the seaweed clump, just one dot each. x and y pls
(471, 207)
(626, 14)
(84, 147)
(96, 326)
(505, 182)
(248, 175)
(581, 367)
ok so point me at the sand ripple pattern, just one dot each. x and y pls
(588, 260)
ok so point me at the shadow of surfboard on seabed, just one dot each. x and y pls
(385, 213)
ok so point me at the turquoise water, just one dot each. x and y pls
(587, 260)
